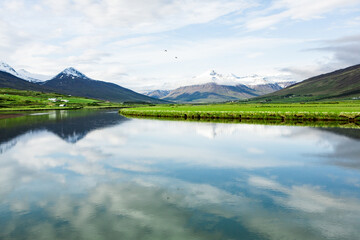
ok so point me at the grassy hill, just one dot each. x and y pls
(340, 84)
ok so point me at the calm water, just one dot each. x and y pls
(97, 175)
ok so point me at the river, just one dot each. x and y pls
(99, 175)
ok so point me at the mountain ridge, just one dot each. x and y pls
(215, 87)
(72, 82)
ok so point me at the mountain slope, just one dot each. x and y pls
(343, 83)
(23, 74)
(215, 87)
(157, 93)
(8, 80)
(210, 92)
(32, 77)
(70, 81)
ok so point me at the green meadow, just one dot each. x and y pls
(20, 100)
(318, 111)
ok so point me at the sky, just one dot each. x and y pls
(124, 41)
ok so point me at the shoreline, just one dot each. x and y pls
(4, 110)
(241, 116)
(331, 124)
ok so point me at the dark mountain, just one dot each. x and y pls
(72, 82)
(210, 92)
(340, 84)
(8, 80)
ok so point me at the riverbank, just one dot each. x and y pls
(12, 100)
(310, 112)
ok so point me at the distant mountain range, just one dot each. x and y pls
(70, 82)
(207, 87)
(340, 84)
(214, 87)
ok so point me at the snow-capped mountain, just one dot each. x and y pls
(7, 68)
(72, 82)
(72, 73)
(212, 86)
(33, 77)
(233, 80)
(23, 74)
(157, 93)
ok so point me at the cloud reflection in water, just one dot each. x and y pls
(132, 181)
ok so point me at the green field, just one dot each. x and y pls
(20, 100)
(330, 111)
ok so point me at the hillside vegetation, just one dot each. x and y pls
(11, 99)
(331, 111)
(340, 84)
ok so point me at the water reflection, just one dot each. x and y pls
(71, 126)
(146, 179)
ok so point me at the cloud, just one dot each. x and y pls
(308, 71)
(303, 10)
(343, 52)
(104, 178)
(345, 49)
(155, 16)
(346, 154)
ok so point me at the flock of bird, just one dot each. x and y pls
(167, 50)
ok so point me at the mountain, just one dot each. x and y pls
(69, 82)
(233, 80)
(340, 84)
(32, 77)
(215, 87)
(8, 80)
(72, 82)
(210, 92)
(4, 67)
(23, 74)
(157, 93)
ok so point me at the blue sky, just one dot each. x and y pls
(123, 41)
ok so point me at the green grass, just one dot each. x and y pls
(20, 100)
(325, 111)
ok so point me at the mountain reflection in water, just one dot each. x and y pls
(147, 179)
(71, 126)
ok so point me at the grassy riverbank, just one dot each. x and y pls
(318, 111)
(18, 100)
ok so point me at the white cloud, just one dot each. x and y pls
(305, 198)
(158, 15)
(123, 41)
(282, 10)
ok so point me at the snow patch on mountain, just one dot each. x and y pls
(33, 77)
(23, 74)
(212, 76)
(72, 72)
(7, 68)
